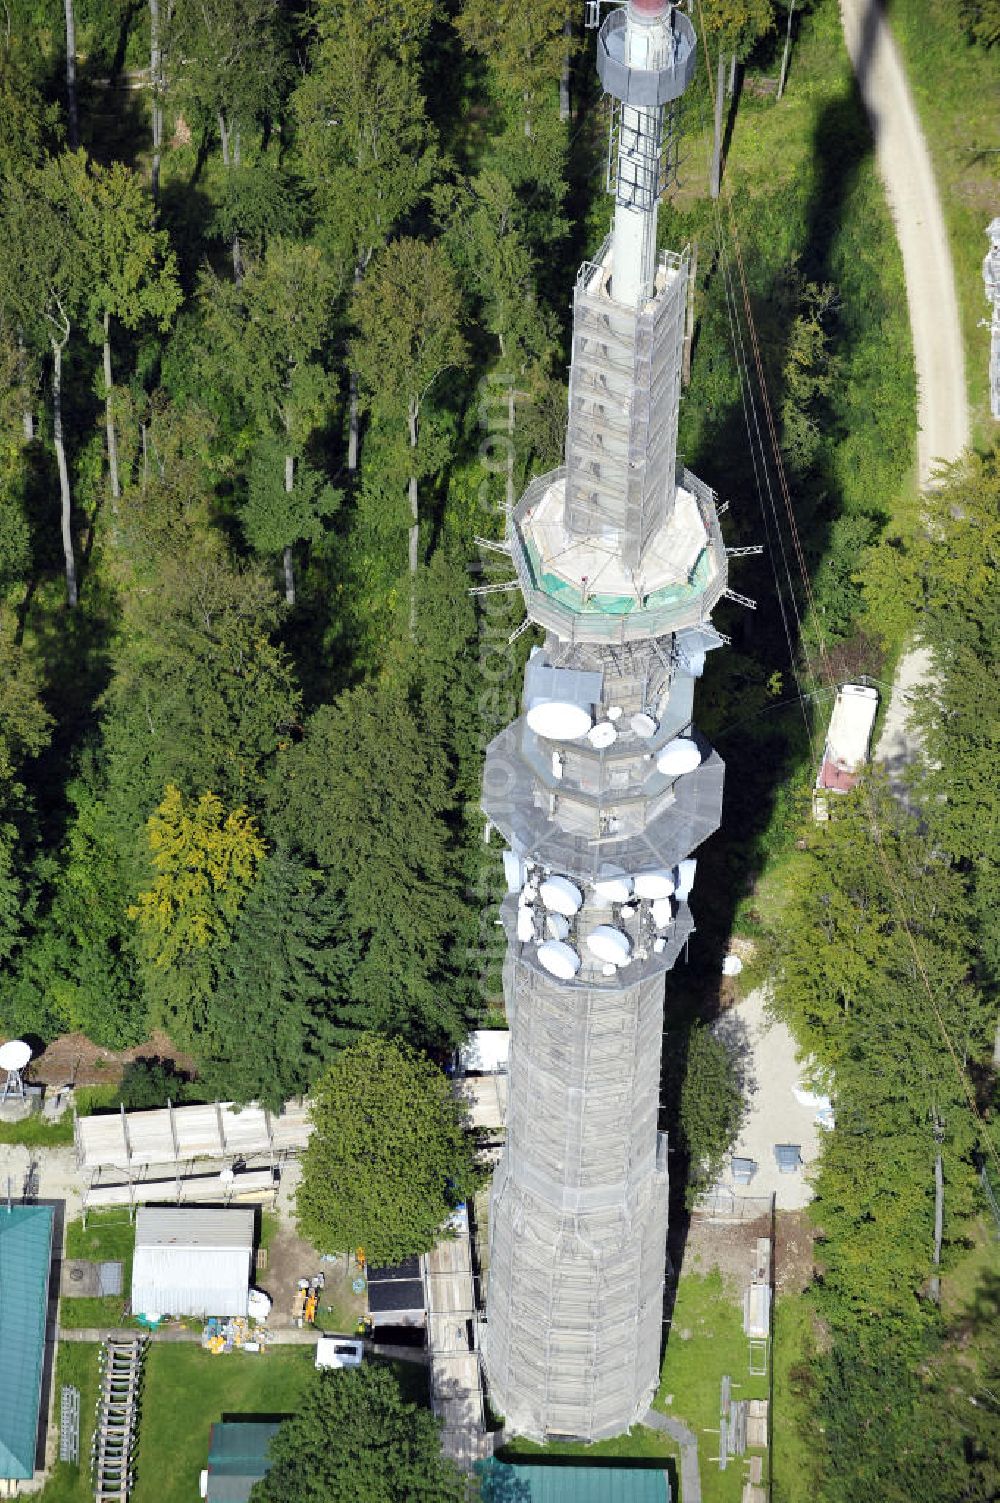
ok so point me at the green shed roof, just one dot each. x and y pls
(510, 1482)
(25, 1258)
(237, 1458)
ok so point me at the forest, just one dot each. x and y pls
(284, 300)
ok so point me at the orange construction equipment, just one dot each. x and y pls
(312, 1300)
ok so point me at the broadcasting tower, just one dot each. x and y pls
(602, 788)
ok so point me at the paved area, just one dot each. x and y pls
(908, 177)
(766, 1054)
(688, 1442)
(942, 411)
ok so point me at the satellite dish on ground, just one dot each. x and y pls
(14, 1055)
(609, 944)
(559, 959)
(678, 756)
(559, 720)
(561, 896)
(658, 884)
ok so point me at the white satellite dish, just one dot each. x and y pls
(732, 965)
(609, 944)
(659, 884)
(613, 887)
(615, 712)
(678, 756)
(643, 725)
(662, 910)
(556, 925)
(525, 924)
(559, 720)
(14, 1055)
(559, 959)
(561, 896)
(603, 734)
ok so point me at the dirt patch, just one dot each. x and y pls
(72, 1059)
(793, 1257)
(291, 1258)
(730, 1246)
(727, 1246)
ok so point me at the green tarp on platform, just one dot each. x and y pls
(25, 1258)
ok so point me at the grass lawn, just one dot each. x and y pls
(187, 1390)
(108, 1236)
(793, 1455)
(639, 1444)
(706, 1342)
(36, 1132)
(76, 1364)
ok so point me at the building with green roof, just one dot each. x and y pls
(25, 1260)
(237, 1458)
(517, 1482)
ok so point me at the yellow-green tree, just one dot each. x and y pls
(205, 862)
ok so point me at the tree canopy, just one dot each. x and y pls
(388, 1158)
(355, 1439)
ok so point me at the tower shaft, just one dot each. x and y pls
(602, 789)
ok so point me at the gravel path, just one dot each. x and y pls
(942, 413)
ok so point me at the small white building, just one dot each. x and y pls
(190, 1261)
(485, 1052)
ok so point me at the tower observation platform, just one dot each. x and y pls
(602, 789)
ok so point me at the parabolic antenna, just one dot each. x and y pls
(559, 959)
(556, 925)
(678, 756)
(654, 884)
(559, 720)
(14, 1055)
(685, 878)
(613, 887)
(643, 725)
(525, 925)
(603, 734)
(561, 896)
(662, 911)
(609, 944)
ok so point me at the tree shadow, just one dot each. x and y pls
(766, 750)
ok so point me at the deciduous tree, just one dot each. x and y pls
(353, 1439)
(388, 1157)
(407, 311)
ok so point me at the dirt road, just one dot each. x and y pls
(942, 412)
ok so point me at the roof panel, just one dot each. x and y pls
(25, 1258)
